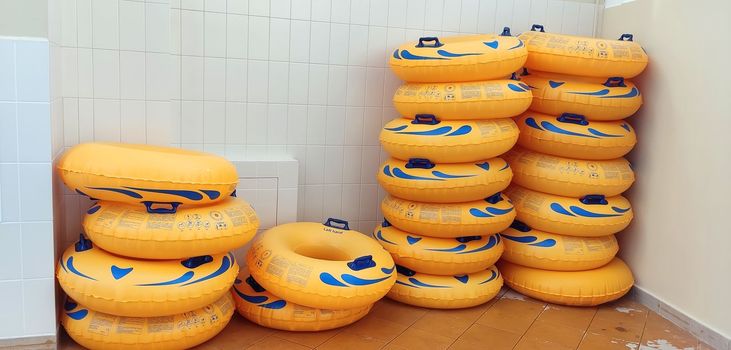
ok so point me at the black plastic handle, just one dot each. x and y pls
(466, 239)
(233, 194)
(573, 119)
(196, 261)
(627, 36)
(83, 244)
(615, 82)
(506, 32)
(525, 72)
(405, 271)
(514, 76)
(593, 199)
(495, 198)
(424, 39)
(173, 208)
(538, 27)
(331, 221)
(420, 163)
(520, 226)
(429, 119)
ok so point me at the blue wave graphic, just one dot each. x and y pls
(505, 167)
(520, 44)
(357, 281)
(183, 278)
(118, 190)
(620, 210)
(398, 128)
(530, 121)
(412, 240)
(72, 268)
(601, 92)
(211, 193)
(464, 278)
(69, 305)
(493, 44)
(426, 285)
(330, 280)
(119, 272)
(550, 127)
(226, 263)
(387, 270)
(409, 56)
(524, 86)
(490, 243)
(489, 212)
(434, 132)
(93, 209)
(387, 171)
(599, 133)
(395, 55)
(546, 243)
(458, 248)
(625, 126)
(522, 239)
(279, 304)
(194, 196)
(492, 277)
(254, 299)
(561, 210)
(448, 176)
(402, 175)
(406, 284)
(78, 315)
(516, 88)
(446, 53)
(462, 130)
(634, 92)
(555, 84)
(479, 213)
(485, 166)
(379, 236)
(589, 214)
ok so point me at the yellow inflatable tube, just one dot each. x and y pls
(257, 305)
(446, 292)
(96, 330)
(459, 58)
(128, 230)
(324, 266)
(596, 98)
(450, 220)
(569, 177)
(549, 251)
(439, 256)
(143, 288)
(425, 136)
(577, 55)
(147, 174)
(575, 288)
(572, 136)
(493, 99)
(421, 180)
(589, 216)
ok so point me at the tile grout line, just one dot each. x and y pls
(586, 331)
(531, 325)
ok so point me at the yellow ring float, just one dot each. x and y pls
(324, 266)
(448, 141)
(257, 305)
(439, 256)
(128, 230)
(147, 174)
(459, 58)
(446, 292)
(576, 288)
(493, 99)
(549, 251)
(96, 330)
(143, 288)
(572, 136)
(596, 98)
(450, 220)
(569, 177)
(589, 216)
(421, 180)
(577, 55)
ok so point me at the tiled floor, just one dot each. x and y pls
(510, 321)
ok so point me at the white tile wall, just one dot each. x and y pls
(26, 196)
(303, 78)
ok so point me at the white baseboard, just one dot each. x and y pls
(36, 342)
(706, 334)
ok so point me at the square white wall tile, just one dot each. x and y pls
(39, 312)
(32, 76)
(11, 293)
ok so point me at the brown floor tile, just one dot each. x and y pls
(478, 335)
(594, 341)
(308, 339)
(619, 329)
(511, 315)
(555, 333)
(443, 323)
(577, 317)
(376, 327)
(394, 311)
(274, 343)
(704, 346)
(416, 339)
(539, 344)
(661, 334)
(346, 340)
(239, 334)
